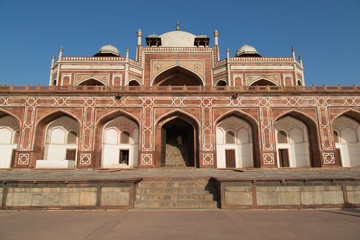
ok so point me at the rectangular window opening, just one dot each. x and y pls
(284, 157)
(71, 154)
(124, 157)
(230, 158)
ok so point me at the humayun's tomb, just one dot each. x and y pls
(178, 105)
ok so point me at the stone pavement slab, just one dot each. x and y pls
(209, 225)
(37, 174)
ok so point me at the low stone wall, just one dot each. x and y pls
(68, 194)
(289, 193)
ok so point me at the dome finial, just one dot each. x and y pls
(177, 25)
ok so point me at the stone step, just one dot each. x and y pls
(175, 164)
(176, 204)
(175, 183)
(183, 190)
(175, 197)
(176, 194)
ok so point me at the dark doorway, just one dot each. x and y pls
(230, 158)
(338, 157)
(70, 154)
(177, 144)
(284, 157)
(13, 158)
(177, 76)
(124, 157)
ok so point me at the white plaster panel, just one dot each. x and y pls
(219, 70)
(348, 135)
(262, 67)
(135, 70)
(6, 154)
(111, 136)
(92, 67)
(55, 164)
(57, 136)
(5, 136)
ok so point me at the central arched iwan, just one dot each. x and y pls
(177, 134)
(177, 76)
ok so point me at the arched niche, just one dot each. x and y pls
(236, 142)
(347, 129)
(177, 76)
(301, 148)
(221, 83)
(134, 83)
(92, 82)
(177, 134)
(9, 135)
(117, 141)
(56, 141)
(263, 82)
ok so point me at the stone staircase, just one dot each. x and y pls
(175, 156)
(176, 194)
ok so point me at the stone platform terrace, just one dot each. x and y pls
(180, 188)
(107, 174)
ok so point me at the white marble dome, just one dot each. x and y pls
(177, 39)
(246, 50)
(108, 50)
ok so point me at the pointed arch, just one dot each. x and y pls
(41, 129)
(346, 130)
(5, 112)
(9, 132)
(254, 131)
(91, 81)
(221, 83)
(179, 113)
(263, 82)
(177, 76)
(312, 133)
(238, 113)
(134, 82)
(41, 124)
(101, 124)
(179, 116)
(352, 113)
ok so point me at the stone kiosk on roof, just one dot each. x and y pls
(179, 105)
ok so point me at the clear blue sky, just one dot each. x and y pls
(325, 33)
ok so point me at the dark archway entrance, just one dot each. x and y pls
(92, 82)
(177, 144)
(177, 76)
(263, 82)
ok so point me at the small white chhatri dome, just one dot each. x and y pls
(108, 50)
(177, 39)
(247, 50)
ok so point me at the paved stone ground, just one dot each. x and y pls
(218, 224)
(37, 174)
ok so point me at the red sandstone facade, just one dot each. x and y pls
(178, 86)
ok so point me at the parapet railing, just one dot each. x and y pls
(185, 89)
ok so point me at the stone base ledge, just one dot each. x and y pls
(289, 193)
(72, 194)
